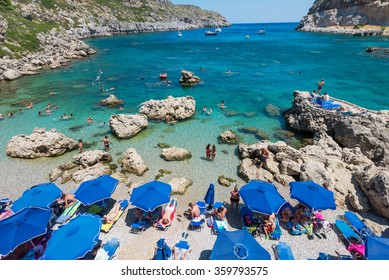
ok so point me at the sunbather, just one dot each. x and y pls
(193, 211)
(142, 215)
(66, 199)
(110, 217)
(221, 213)
(178, 257)
(167, 214)
(270, 225)
(286, 215)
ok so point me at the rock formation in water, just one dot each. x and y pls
(37, 34)
(357, 17)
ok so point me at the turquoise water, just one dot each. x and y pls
(266, 69)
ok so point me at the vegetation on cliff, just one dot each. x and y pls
(22, 20)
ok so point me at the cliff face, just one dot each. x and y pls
(347, 16)
(36, 34)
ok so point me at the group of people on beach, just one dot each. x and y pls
(210, 152)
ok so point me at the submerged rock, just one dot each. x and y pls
(228, 137)
(273, 111)
(41, 143)
(175, 154)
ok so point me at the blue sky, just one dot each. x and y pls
(256, 11)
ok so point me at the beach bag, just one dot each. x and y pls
(210, 222)
(247, 221)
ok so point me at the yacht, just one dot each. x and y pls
(179, 34)
(261, 31)
(210, 33)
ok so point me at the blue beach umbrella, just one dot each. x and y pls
(92, 191)
(238, 245)
(262, 197)
(314, 196)
(210, 195)
(75, 239)
(151, 195)
(22, 227)
(377, 248)
(40, 196)
(163, 251)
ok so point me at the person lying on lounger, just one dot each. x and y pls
(66, 200)
(142, 215)
(110, 217)
(167, 215)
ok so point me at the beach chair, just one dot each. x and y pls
(68, 213)
(354, 243)
(196, 224)
(162, 251)
(358, 225)
(106, 227)
(107, 252)
(172, 204)
(139, 227)
(282, 251)
(181, 250)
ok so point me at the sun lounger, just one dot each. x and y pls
(196, 224)
(139, 227)
(69, 212)
(107, 252)
(106, 227)
(282, 251)
(355, 244)
(181, 250)
(218, 226)
(358, 225)
(172, 203)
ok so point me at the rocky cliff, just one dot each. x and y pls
(36, 33)
(357, 17)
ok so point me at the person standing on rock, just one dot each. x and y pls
(319, 86)
(213, 152)
(106, 142)
(80, 146)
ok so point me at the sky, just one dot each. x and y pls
(255, 11)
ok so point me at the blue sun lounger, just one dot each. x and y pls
(282, 251)
(107, 252)
(354, 243)
(68, 213)
(358, 224)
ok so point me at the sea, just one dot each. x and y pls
(249, 71)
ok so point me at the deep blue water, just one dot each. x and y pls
(266, 69)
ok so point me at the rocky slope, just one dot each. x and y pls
(36, 34)
(357, 17)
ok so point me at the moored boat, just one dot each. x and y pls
(210, 33)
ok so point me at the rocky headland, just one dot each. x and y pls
(359, 18)
(38, 34)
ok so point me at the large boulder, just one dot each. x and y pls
(41, 143)
(132, 162)
(127, 126)
(89, 158)
(188, 78)
(374, 182)
(91, 172)
(175, 154)
(228, 137)
(180, 108)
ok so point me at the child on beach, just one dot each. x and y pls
(235, 197)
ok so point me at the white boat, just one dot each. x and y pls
(210, 33)
(218, 29)
(261, 31)
(179, 34)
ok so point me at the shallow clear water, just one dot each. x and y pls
(266, 69)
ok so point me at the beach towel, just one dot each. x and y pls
(68, 212)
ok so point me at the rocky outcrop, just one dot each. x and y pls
(127, 126)
(74, 20)
(180, 108)
(41, 143)
(132, 162)
(111, 101)
(323, 162)
(375, 184)
(366, 130)
(347, 16)
(188, 78)
(175, 154)
(84, 166)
